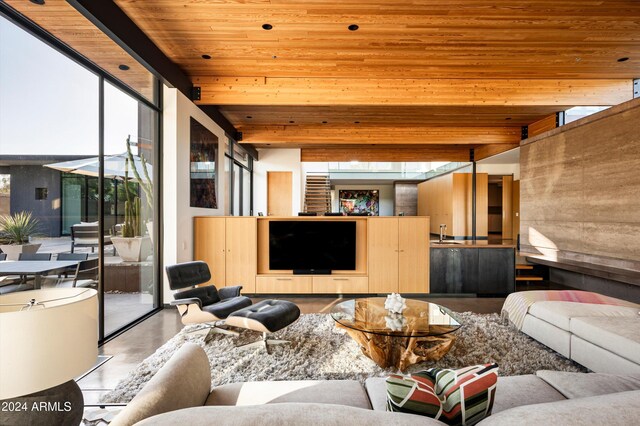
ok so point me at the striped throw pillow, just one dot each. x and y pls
(455, 397)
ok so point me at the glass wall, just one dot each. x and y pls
(130, 140)
(79, 153)
(239, 165)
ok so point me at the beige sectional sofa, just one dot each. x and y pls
(603, 338)
(180, 394)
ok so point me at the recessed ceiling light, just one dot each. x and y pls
(625, 59)
(248, 116)
(267, 27)
(206, 56)
(123, 67)
(38, 2)
(353, 27)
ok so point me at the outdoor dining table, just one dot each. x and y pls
(35, 268)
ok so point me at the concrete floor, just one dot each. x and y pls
(133, 346)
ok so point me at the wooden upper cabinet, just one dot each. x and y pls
(241, 257)
(209, 246)
(383, 254)
(413, 258)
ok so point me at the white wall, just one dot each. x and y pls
(277, 160)
(385, 193)
(177, 214)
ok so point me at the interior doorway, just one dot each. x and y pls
(279, 193)
(500, 207)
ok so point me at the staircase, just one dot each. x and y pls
(528, 273)
(317, 193)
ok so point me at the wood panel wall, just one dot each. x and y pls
(580, 189)
(447, 200)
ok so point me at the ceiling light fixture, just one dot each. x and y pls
(267, 27)
(625, 59)
(353, 27)
(123, 67)
(206, 56)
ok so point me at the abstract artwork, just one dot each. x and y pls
(203, 167)
(359, 201)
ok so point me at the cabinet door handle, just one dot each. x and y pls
(283, 279)
(341, 279)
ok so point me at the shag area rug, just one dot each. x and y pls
(319, 350)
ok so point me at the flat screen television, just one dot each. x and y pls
(312, 245)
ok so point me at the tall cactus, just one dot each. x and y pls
(132, 224)
(146, 184)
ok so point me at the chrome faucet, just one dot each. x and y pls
(443, 233)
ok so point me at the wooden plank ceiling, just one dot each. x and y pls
(415, 74)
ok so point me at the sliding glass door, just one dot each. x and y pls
(86, 158)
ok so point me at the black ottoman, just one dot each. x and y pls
(266, 317)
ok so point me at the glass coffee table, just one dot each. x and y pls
(423, 332)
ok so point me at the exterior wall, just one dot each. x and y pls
(580, 190)
(177, 214)
(24, 181)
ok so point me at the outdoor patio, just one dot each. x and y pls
(120, 307)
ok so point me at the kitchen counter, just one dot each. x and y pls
(472, 244)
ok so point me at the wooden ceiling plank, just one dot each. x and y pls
(313, 135)
(386, 153)
(397, 92)
(485, 151)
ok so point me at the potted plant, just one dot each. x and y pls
(133, 245)
(15, 231)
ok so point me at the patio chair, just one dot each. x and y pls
(201, 305)
(86, 235)
(9, 284)
(70, 256)
(34, 257)
(86, 274)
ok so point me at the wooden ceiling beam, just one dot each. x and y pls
(384, 153)
(354, 134)
(417, 92)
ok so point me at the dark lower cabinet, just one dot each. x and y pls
(454, 270)
(497, 271)
(472, 270)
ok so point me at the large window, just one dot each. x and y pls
(80, 151)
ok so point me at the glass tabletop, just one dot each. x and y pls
(419, 319)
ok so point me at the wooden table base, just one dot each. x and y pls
(401, 352)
